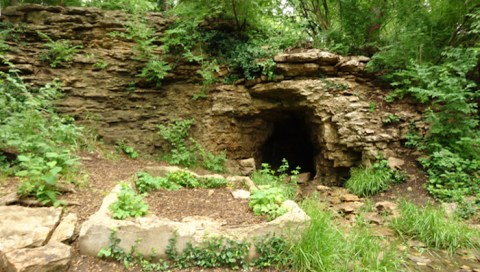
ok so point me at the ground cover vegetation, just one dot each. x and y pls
(427, 50)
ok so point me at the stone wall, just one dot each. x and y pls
(339, 104)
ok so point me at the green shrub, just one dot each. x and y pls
(128, 204)
(214, 252)
(42, 139)
(58, 52)
(369, 181)
(212, 182)
(155, 70)
(184, 179)
(176, 134)
(273, 251)
(127, 150)
(278, 178)
(433, 227)
(145, 183)
(182, 152)
(268, 200)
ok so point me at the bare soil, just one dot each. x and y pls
(217, 204)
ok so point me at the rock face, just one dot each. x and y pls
(30, 239)
(53, 257)
(320, 113)
(26, 227)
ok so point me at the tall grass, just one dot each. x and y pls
(367, 181)
(324, 247)
(433, 227)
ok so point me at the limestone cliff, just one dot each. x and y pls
(322, 111)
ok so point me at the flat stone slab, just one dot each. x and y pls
(66, 229)
(154, 233)
(26, 227)
(53, 257)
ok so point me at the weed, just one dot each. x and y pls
(129, 204)
(100, 64)
(214, 252)
(333, 86)
(268, 200)
(184, 179)
(127, 150)
(42, 139)
(155, 70)
(391, 119)
(369, 181)
(181, 152)
(372, 106)
(211, 182)
(58, 52)
(431, 226)
(323, 247)
(272, 251)
(466, 209)
(145, 183)
(278, 178)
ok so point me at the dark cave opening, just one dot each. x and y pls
(291, 138)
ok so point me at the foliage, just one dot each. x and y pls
(323, 247)
(181, 152)
(453, 162)
(214, 252)
(58, 52)
(127, 150)
(100, 64)
(391, 119)
(431, 226)
(138, 30)
(176, 133)
(466, 209)
(367, 181)
(131, 6)
(129, 204)
(145, 183)
(272, 251)
(268, 200)
(333, 86)
(42, 140)
(278, 178)
(155, 70)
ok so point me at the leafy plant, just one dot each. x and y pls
(211, 182)
(390, 119)
(176, 134)
(100, 64)
(41, 139)
(431, 226)
(333, 86)
(273, 251)
(145, 183)
(372, 106)
(214, 252)
(58, 52)
(369, 181)
(278, 178)
(268, 200)
(155, 70)
(466, 209)
(127, 150)
(129, 204)
(184, 179)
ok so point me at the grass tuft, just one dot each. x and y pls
(434, 228)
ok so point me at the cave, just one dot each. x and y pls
(290, 137)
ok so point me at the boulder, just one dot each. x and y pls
(241, 194)
(247, 166)
(53, 257)
(66, 228)
(26, 227)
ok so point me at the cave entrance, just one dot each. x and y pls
(291, 138)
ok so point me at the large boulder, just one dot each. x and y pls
(22, 227)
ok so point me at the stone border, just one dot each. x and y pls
(153, 233)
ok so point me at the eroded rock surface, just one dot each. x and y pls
(22, 227)
(331, 95)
